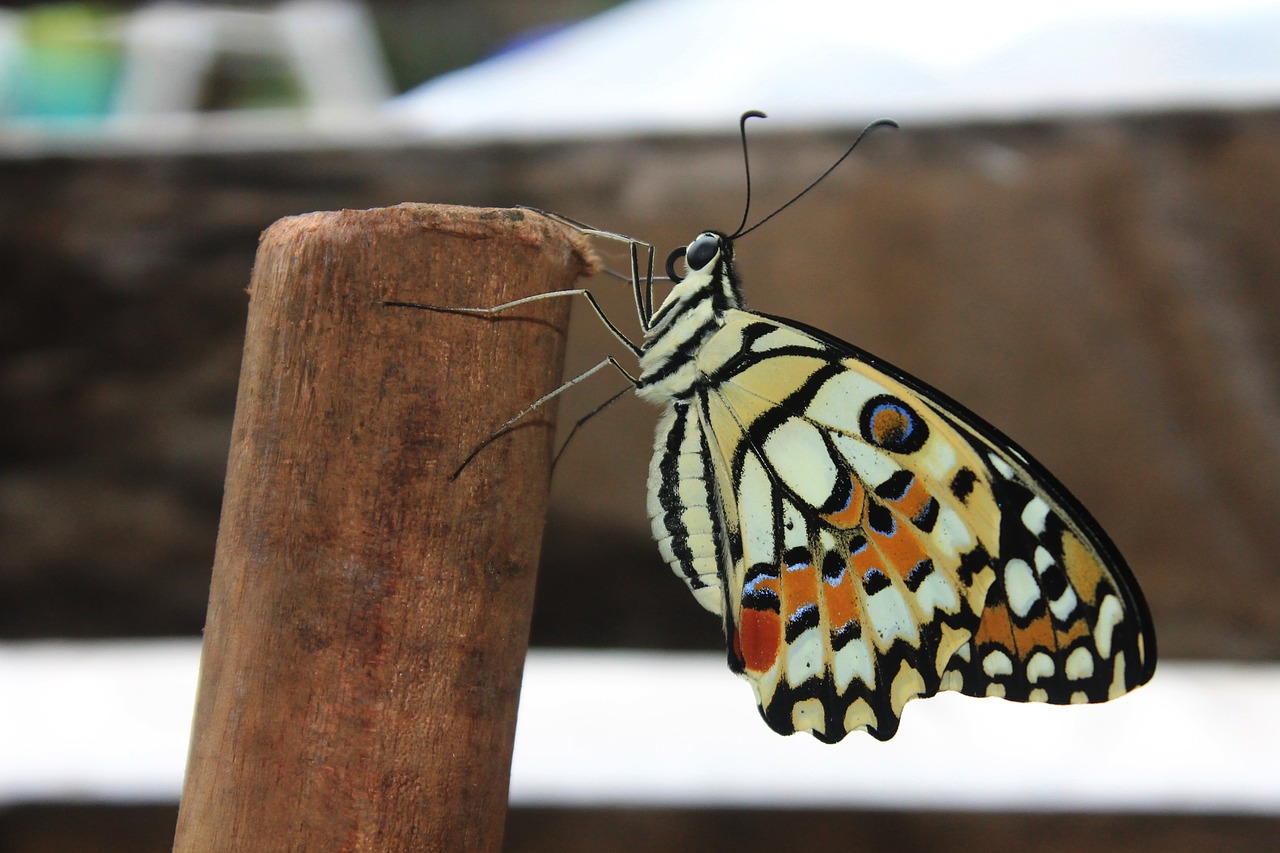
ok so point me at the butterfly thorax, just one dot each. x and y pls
(693, 311)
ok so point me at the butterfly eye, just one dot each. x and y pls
(702, 252)
(696, 256)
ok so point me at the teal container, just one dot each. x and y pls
(67, 64)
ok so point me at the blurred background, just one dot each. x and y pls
(1076, 233)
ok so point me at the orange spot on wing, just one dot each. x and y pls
(841, 600)
(1082, 567)
(1038, 633)
(902, 551)
(1077, 630)
(799, 588)
(851, 515)
(759, 638)
(995, 627)
(889, 425)
(863, 560)
(914, 500)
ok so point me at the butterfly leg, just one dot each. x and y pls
(582, 420)
(643, 293)
(542, 401)
(515, 303)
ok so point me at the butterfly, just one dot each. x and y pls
(865, 539)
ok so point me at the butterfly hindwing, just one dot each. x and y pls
(873, 542)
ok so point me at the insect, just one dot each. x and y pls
(865, 539)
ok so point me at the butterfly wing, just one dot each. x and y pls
(874, 542)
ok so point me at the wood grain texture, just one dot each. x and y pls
(368, 617)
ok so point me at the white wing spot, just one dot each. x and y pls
(1079, 664)
(950, 533)
(809, 716)
(871, 465)
(938, 459)
(1039, 666)
(809, 472)
(890, 617)
(1001, 466)
(1034, 515)
(907, 685)
(1064, 605)
(1117, 687)
(804, 657)
(854, 661)
(936, 593)
(755, 492)
(997, 663)
(1110, 614)
(1020, 587)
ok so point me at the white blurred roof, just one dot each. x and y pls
(681, 65)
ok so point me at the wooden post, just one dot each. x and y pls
(368, 617)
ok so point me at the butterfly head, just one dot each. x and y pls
(701, 256)
(692, 311)
(709, 272)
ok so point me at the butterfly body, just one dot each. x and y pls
(865, 539)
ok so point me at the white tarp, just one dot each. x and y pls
(678, 65)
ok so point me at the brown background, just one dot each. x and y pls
(1104, 290)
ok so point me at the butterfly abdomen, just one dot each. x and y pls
(684, 507)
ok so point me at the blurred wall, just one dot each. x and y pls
(1103, 290)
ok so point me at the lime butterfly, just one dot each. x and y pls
(865, 539)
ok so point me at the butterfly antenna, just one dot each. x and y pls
(746, 164)
(741, 232)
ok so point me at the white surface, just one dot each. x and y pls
(95, 721)
(109, 722)
(664, 65)
(677, 729)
